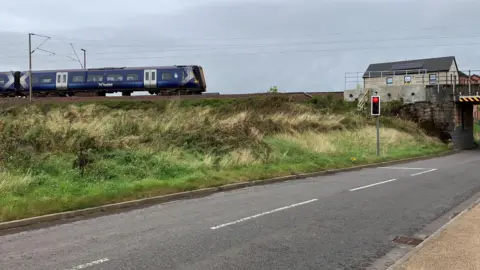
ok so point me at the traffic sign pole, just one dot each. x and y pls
(378, 135)
(375, 111)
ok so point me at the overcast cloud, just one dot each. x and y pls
(243, 45)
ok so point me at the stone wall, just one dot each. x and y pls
(449, 121)
(436, 119)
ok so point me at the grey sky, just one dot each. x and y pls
(243, 45)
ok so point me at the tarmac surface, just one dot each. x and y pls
(342, 221)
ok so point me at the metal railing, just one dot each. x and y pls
(412, 77)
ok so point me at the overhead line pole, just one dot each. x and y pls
(84, 58)
(30, 65)
(30, 52)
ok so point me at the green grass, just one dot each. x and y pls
(160, 148)
(476, 131)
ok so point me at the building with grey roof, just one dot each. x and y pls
(439, 70)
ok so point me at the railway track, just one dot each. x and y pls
(42, 100)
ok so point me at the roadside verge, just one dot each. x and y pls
(127, 205)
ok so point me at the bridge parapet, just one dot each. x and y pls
(451, 93)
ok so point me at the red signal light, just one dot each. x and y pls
(375, 108)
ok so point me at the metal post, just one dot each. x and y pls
(357, 80)
(84, 58)
(378, 135)
(30, 64)
(469, 85)
(454, 96)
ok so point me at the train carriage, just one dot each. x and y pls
(159, 80)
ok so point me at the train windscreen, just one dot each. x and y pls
(198, 72)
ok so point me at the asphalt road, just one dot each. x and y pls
(342, 221)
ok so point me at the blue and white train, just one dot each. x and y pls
(157, 80)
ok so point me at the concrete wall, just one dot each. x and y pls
(416, 79)
(398, 80)
(452, 77)
(405, 93)
(417, 93)
(352, 94)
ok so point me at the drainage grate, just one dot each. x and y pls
(407, 240)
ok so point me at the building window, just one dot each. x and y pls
(432, 78)
(407, 79)
(389, 80)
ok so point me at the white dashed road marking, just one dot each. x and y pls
(379, 183)
(402, 168)
(423, 172)
(262, 214)
(83, 266)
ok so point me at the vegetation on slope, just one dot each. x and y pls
(64, 157)
(476, 130)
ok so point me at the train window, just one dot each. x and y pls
(114, 78)
(45, 80)
(2, 81)
(94, 78)
(64, 78)
(146, 76)
(153, 76)
(77, 78)
(58, 78)
(132, 77)
(166, 76)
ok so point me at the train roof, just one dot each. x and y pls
(107, 68)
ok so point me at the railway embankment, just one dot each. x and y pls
(60, 157)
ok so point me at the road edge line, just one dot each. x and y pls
(198, 193)
(432, 237)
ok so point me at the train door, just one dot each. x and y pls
(62, 79)
(153, 81)
(150, 78)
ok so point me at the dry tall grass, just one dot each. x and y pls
(174, 147)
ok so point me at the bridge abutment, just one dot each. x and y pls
(463, 132)
(445, 116)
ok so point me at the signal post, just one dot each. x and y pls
(375, 111)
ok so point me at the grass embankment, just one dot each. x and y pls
(476, 131)
(144, 149)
